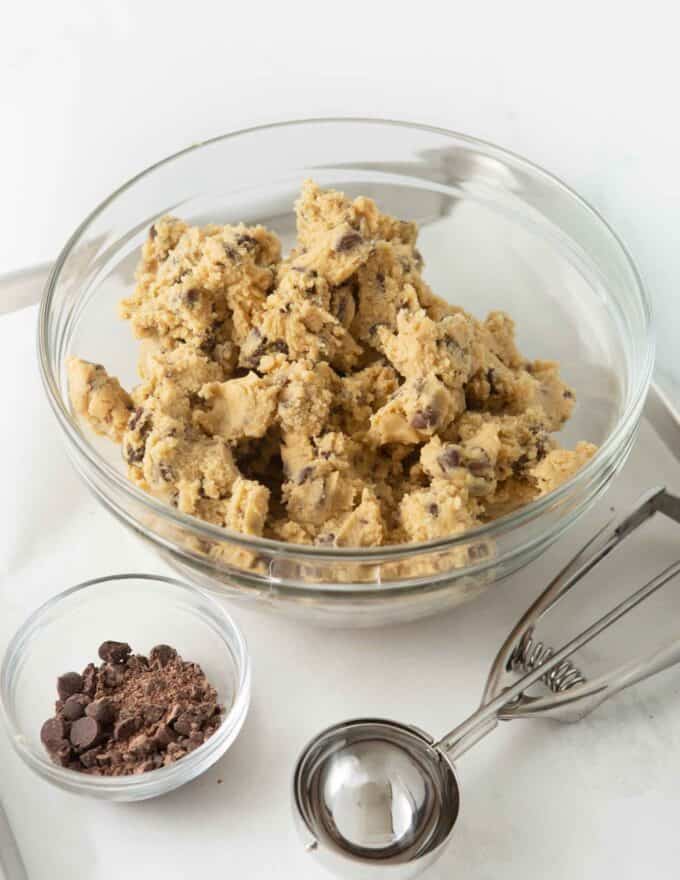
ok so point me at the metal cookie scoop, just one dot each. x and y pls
(371, 793)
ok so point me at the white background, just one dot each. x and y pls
(91, 93)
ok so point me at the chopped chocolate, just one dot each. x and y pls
(126, 727)
(162, 654)
(151, 714)
(114, 652)
(89, 758)
(90, 674)
(111, 676)
(132, 714)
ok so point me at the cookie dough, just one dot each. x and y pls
(328, 397)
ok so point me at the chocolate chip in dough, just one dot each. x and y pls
(450, 458)
(425, 418)
(304, 474)
(69, 683)
(348, 241)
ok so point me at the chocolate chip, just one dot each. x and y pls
(135, 418)
(452, 344)
(380, 279)
(326, 540)
(74, 707)
(53, 732)
(69, 683)
(191, 297)
(279, 345)
(425, 418)
(304, 474)
(433, 509)
(90, 676)
(567, 394)
(491, 379)
(479, 465)
(126, 727)
(134, 454)
(450, 458)
(162, 654)
(85, 733)
(348, 241)
(520, 463)
(102, 710)
(166, 472)
(246, 241)
(152, 232)
(114, 652)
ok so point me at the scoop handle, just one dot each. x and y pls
(510, 702)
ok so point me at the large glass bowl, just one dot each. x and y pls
(496, 232)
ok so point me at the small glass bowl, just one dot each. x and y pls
(64, 634)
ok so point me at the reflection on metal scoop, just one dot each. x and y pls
(371, 793)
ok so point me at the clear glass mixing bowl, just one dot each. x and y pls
(496, 232)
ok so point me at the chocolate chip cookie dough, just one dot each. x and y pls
(329, 396)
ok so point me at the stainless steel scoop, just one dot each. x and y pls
(372, 793)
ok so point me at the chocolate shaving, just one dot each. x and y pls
(131, 715)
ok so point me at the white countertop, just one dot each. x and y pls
(596, 799)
